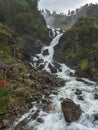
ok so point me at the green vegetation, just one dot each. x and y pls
(84, 64)
(23, 16)
(80, 45)
(9, 45)
(5, 99)
(21, 26)
(20, 22)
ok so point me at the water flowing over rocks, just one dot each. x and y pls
(71, 111)
(47, 99)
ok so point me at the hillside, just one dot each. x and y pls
(21, 26)
(78, 47)
(23, 32)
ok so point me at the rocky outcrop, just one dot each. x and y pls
(71, 111)
(27, 86)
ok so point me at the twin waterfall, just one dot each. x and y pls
(54, 120)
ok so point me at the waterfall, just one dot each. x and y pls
(54, 120)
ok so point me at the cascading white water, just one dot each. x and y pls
(55, 120)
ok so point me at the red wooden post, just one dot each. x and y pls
(3, 82)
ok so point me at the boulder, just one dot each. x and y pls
(57, 65)
(70, 110)
(96, 117)
(45, 52)
(53, 69)
(80, 98)
(78, 92)
(96, 96)
(40, 120)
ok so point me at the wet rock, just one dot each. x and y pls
(60, 82)
(80, 98)
(61, 99)
(40, 120)
(52, 68)
(35, 115)
(78, 92)
(71, 74)
(55, 93)
(45, 100)
(95, 117)
(48, 107)
(38, 62)
(96, 96)
(70, 110)
(58, 66)
(41, 66)
(45, 52)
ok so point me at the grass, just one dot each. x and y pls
(83, 64)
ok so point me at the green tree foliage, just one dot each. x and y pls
(80, 44)
(22, 15)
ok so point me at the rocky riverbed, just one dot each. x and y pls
(27, 86)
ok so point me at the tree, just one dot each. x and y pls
(68, 12)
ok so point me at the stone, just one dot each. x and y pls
(78, 92)
(19, 91)
(71, 111)
(53, 69)
(5, 123)
(96, 96)
(45, 100)
(57, 65)
(45, 52)
(55, 93)
(80, 98)
(49, 107)
(95, 117)
(40, 120)
(41, 66)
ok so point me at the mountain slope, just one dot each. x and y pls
(27, 23)
(78, 47)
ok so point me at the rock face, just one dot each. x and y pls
(70, 110)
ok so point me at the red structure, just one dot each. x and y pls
(3, 69)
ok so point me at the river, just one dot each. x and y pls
(54, 120)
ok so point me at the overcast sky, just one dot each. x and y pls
(63, 5)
